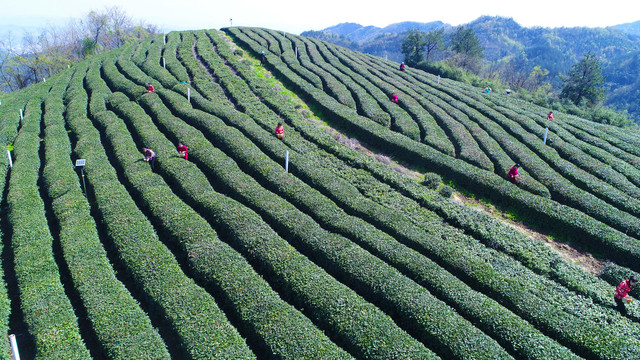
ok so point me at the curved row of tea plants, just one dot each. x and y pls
(600, 237)
(340, 257)
(320, 209)
(130, 333)
(324, 298)
(149, 263)
(9, 124)
(539, 257)
(295, 223)
(46, 308)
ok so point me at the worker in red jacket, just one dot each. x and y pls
(402, 66)
(183, 151)
(150, 88)
(513, 174)
(280, 131)
(550, 115)
(622, 293)
(149, 156)
(394, 98)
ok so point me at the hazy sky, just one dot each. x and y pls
(297, 16)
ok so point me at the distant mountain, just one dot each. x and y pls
(358, 33)
(629, 28)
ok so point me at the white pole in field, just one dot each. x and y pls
(286, 162)
(164, 39)
(21, 117)
(546, 130)
(9, 156)
(14, 347)
(438, 79)
(164, 62)
(189, 94)
(296, 52)
(44, 79)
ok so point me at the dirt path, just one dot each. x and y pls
(568, 252)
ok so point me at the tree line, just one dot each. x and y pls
(582, 91)
(38, 56)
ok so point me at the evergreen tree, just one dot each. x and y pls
(434, 41)
(413, 47)
(585, 82)
(466, 45)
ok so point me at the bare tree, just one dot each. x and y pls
(55, 48)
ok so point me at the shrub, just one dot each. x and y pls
(432, 180)
(446, 191)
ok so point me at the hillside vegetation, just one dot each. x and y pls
(316, 246)
(512, 52)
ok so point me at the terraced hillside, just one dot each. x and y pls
(228, 256)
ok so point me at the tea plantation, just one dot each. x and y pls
(306, 247)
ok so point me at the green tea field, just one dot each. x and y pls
(346, 239)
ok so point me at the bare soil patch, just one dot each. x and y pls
(568, 252)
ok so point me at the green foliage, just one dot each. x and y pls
(414, 46)
(345, 255)
(130, 334)
(446, 191)
(47, 311)
(434, 41)
(89, 47)
(155, 271)
(465, 44)
(585, 82)
(432, 180)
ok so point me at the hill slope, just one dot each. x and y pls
(504, 40)
(227, 255)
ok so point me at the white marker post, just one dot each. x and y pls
(164, 62)
(80, 163)
(546, 131)
(286, 162)
(14, 347)
(438, 79)
(9, 156)
(44, 79)
(21, 117)
(164, 39)
(189, 95)
(296, 52)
